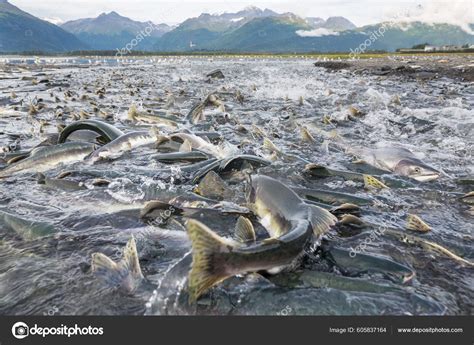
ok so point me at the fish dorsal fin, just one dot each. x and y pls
(16, 159)
(186, 146)
(244, 231)
(415, 223)
(321, 219)
(160, 139)
(269, 145)
(327, 120)
(258, 131)
(306, 135)
(157, 208)
(36, 150)
(211, 185)
(350, 219)
(41, 178)
(20, 157)
(347, 207)
(372, 182)
(132, 113)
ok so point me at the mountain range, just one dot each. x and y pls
(109, 31)
(20, 32)
(249, 30)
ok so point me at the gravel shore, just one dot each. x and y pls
(459, 67)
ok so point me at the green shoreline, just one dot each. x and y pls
(336, 55)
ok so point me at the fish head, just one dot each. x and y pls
(417, 170)
(274, 204)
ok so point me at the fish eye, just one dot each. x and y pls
(417, 170)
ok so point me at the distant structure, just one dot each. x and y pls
(191, 44)
(431, 49)
(443, 48)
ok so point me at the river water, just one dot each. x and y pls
(51, 275)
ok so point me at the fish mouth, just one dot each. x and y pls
(426, 178)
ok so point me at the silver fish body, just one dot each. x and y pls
(122, 144)
(45, 158)
(397, 160)
(290, 222)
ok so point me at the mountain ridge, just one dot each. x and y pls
(21, 31)
(249, 30)
(112, 31)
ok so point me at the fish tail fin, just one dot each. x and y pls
(106, 268)
(209, 251)
(126, 273)
(130, 259)
(321, 219)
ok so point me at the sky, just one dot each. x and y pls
(360, 12)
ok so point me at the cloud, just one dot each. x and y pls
(54, 20)
(317, 33)
(455, 12)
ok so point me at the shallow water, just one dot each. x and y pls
(51, 275)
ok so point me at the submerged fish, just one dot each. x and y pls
(59, 183)
(45, 158)
(319, 171)
(136, 116)
(397, 160)
(291, 223)
(27, 229)
(354, 261)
